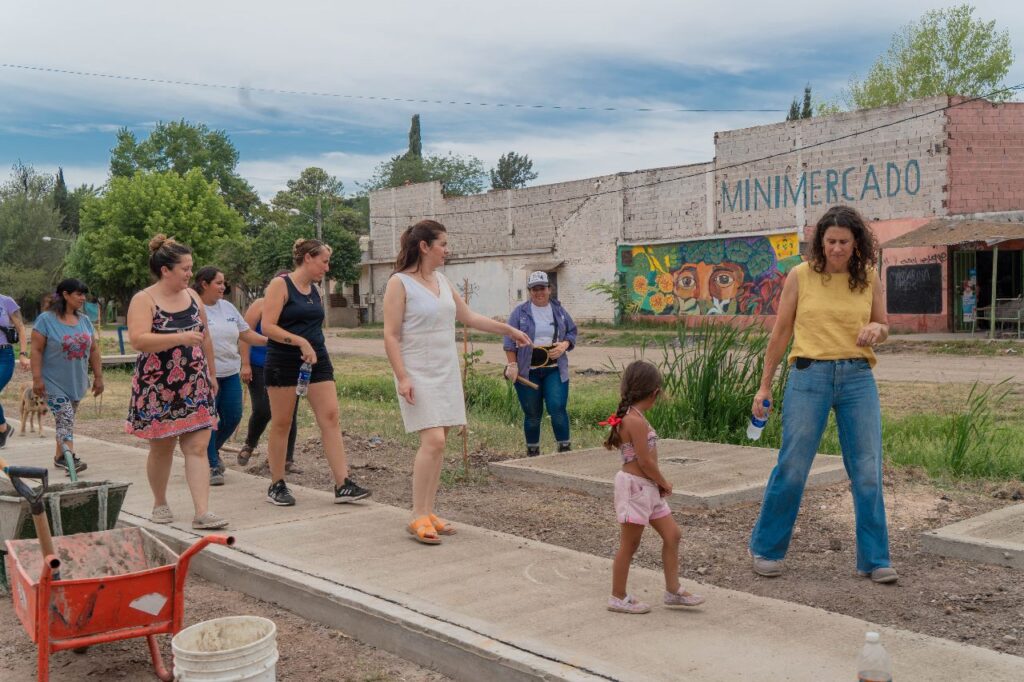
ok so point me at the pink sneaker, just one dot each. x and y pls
(682, 598)
(627, 605)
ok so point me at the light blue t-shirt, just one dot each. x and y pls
(66, 357)
(544, 323)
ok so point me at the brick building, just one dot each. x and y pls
(718, 238)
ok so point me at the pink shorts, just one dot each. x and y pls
(637, 500)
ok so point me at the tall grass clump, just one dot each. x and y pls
(711, 373)
(966, 443)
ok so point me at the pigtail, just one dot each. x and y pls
(614, 439)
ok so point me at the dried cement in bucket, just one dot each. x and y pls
(232, 649)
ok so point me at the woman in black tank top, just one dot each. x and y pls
(293, 317)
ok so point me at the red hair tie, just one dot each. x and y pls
(613, 420)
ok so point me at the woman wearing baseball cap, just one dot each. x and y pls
(546, 364)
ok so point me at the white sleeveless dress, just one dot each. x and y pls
(430, 357)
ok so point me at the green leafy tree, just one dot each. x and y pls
(459, 176)
(946, 52)
(111, 253)
(316, 183)
(272, 250)
(29, 266)
(180, 146)
(513, 172)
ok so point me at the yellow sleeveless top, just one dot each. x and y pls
(829, 316)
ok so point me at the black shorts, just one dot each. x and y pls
(281, 367)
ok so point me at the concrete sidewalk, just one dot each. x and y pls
(487, 605)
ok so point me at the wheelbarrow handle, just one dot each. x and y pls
(35, 499)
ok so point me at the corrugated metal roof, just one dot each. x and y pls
(950, 231)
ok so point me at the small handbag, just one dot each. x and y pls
(541, 357)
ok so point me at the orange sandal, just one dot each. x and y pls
(441, 527)
(422, 530)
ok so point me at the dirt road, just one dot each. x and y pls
(909, 367)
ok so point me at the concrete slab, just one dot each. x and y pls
(702, 474)
(993, 538)
(487, 605)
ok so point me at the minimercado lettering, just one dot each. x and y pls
(823, 187)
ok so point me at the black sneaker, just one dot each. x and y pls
(279, 494)
(4, 435)
(63, 464)
(532, 450)
(564, 447)
(349, 492)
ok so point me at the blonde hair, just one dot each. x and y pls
(312, 247)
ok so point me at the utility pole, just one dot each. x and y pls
(323, 280)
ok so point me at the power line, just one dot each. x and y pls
(374, 98)
(738, 164)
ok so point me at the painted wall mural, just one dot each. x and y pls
(732, 276)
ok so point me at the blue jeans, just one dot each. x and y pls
(848, 387)
(229, 414)
(553, 393)
(6, 372)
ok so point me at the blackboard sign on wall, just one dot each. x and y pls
(914, 289)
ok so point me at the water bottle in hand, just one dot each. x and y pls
(874, 664)
(756, 426)
(302, 387)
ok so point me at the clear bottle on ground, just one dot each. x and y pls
(873, 664)
(305, 372)
(756, 426)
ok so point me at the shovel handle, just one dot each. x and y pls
(527, 383)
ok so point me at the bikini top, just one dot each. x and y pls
(627, 450)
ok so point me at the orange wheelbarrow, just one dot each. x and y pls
(92, 588)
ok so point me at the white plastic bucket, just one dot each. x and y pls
(232, 649)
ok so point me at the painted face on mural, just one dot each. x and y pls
(708, 283)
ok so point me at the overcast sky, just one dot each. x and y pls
(642, 54)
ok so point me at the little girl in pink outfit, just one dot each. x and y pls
(640, 491)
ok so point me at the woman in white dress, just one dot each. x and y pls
(420, 309)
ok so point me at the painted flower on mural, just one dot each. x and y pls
(659, 302)
(665, 283)
(640, 285)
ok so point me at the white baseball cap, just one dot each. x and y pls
(537, 279)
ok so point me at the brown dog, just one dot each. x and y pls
(32, 408)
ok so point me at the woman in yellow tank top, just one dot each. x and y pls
(832, 307)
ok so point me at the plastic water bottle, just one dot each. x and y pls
(302, 387)
(873, 664)
(756, 426)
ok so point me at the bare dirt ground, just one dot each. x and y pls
(308, 651)
(953, 599)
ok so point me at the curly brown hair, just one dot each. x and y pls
(865, 247)
(639, 380)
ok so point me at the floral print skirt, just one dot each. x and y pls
(171, 394)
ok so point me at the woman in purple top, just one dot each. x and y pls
(12, 331)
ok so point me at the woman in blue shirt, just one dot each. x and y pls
(545, 363)
(64, 345)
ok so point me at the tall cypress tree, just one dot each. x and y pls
(60, 200)
(806, 111)
(415, 142)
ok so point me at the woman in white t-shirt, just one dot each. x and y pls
(227, 326)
